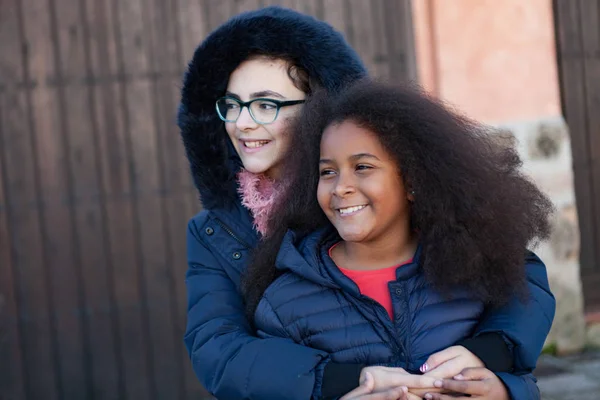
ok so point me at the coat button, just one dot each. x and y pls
(237, 255)
(209, 231)
(399, 292)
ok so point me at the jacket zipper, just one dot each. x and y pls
(399, 347)
(233, 235)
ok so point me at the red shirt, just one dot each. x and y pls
(374, 283)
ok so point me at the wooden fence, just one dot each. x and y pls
(578, 51)
(94, 188)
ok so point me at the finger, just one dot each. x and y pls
(466, 387)
(398, 393)
(449, 368)
(421, 392)
(410, 380)
(368, 381)
(440, 357)
(365, 387)
(474, 374)
(410, 396)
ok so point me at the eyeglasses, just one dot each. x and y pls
(262, 111)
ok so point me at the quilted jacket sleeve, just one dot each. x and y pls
(229, 361)
(524, 325)
(520, 387)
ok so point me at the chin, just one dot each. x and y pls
(256, 168)
(352, 236)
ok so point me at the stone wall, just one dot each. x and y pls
(545, 148)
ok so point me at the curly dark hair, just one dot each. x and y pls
(474, 210)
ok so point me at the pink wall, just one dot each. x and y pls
(494, 59)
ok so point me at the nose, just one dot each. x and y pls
(245, 121)
(344, 185)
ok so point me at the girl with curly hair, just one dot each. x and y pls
(402, 226)
(244, 86)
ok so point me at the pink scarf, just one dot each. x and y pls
(259, 194)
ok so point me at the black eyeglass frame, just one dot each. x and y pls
(247, 104)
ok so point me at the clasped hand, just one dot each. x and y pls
(447, 374)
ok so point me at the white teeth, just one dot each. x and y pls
(254, 145)
(349, 210)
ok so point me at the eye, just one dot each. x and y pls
(232, 105)
(267, 105)
(363, 167)
(326, 172)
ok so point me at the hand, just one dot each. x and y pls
(477, 383)
(385, 378)
(365, 391)
(450, 362)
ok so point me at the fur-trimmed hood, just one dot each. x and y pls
(314, 44)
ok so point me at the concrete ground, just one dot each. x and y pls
(569, 378)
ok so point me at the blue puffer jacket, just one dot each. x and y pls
(314, 304)
(232, 363)
(227, 356)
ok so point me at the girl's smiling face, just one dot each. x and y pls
(360, 187)
(261, 147)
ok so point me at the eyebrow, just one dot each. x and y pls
(353, 157)
(266, 93)
(363, 155)
(256, 95)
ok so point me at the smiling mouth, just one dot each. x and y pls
(256, 144)
(350, 210)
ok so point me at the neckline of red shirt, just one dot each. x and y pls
(347, 271)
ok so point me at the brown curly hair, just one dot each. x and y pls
(474, 210)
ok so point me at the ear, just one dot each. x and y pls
(410, 195)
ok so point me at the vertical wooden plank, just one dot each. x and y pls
(87, 275)
(364, 38)
(281, 3)
(150, 161)
(12, 377)
(571, 67)
(178, 188)
(20, 120)
(217, 12)
(400, 39)
(591, 296)
(11, 70)
(125, 21)
(246, 5)
(310, 7)
(114, 374)
(590, 30)
(57, 181)
(380, 68)
(191, 29)
(27, 254)
(333, 13)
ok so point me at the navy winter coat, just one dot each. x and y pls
(227, 356)
(316, 305)
(232, 363)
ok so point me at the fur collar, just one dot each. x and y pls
(322, 51)
(258, 194)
